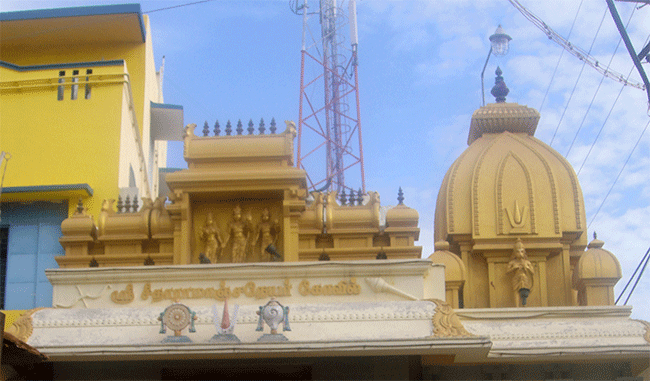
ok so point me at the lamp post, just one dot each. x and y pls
(499, 43)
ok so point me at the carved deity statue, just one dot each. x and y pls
(238, 235)
(522, 273)
(267, 234)
(211, 235)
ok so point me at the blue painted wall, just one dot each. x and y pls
(33, 242)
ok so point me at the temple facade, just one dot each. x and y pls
(241, 272)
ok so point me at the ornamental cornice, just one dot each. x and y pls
(247, 315)
(261, 270)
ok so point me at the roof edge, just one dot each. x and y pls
(66, 65)
(92, 10)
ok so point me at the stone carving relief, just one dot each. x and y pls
(522, 273)
(239, 232)
(22, 328)
(238, 235)
(445, 321)
(211, 235)
(266, 234)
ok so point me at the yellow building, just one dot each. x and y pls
(246, 274)
(81, 117)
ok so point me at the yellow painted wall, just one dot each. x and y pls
(69, 142)
(62, 142)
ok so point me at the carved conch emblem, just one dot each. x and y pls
(517, 217)
(273, 313)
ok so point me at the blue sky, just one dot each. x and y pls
(419, 80)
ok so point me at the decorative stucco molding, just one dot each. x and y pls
(22, 328)
(445, 321)
(646, 336)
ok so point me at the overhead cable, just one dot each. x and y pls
(558, 63)
(644, 259)
(602, 78)
(604, 122)
(575, 85)
(639, 277)
(575, 50)
(619, 173)
(90, 22)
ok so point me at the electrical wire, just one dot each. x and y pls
(178, 6)
(619, 173)
(584, 63)
(558, 62)
(610, 112)
(632, 277)
(581, 54)
(602, 79)
(637, 279)
(41, 32)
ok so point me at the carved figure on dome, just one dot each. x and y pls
(522, 273)
(267, 233)
(239, 232)
(212, 237)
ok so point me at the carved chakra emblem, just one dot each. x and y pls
(177, 317)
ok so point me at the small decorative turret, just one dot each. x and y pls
(455, 273)
(596, 274)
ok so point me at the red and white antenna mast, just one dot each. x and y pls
(329, 123)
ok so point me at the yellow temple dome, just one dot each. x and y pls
(509, 182)
(597, 262)
(454, 267)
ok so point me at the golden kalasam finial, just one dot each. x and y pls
(522, 273)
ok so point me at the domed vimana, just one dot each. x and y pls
(508, 186)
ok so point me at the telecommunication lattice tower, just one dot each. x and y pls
(329, 122)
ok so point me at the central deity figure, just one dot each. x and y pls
(239, 231)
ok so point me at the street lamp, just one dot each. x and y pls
(499, 43)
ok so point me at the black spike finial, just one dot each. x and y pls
(120, 204)
(228, 128)
(250, 128)
(359, 197)
(342, 198)
(240, 128)
(262, 128)
(323, 256)
(352, 198)
(127, 204)
(273, 128)
(217, 130)
(400, 196)
(80, 207)
(595, 236)
(206, 128)
(500, 90)
(135, 205)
